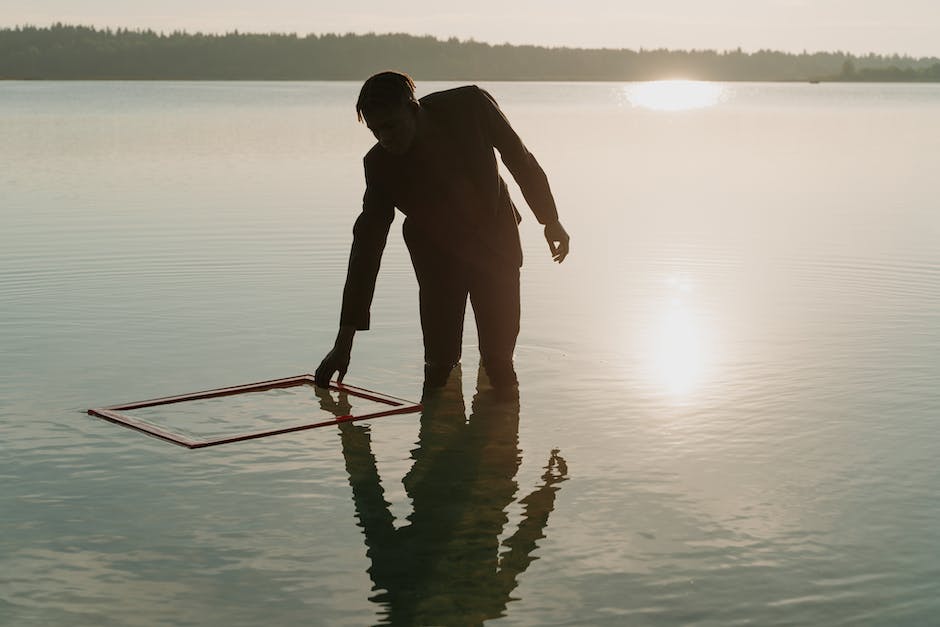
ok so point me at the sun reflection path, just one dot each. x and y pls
(675, 95)
(680, 348)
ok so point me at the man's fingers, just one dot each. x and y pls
(324, 373)
(336, 360)
(557, 240)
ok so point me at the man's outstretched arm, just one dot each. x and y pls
(369, 235)
(538, 505)
(528, 174)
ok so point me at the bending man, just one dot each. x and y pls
(434, 160)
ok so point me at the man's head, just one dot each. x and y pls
(388, 106)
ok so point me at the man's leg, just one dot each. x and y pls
(443, 293)
(495, 299)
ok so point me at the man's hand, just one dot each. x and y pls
(337, 360)
(338, 407)
(557, 469)
(557, 239)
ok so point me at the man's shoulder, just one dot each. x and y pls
(455, 96)
(376, 156)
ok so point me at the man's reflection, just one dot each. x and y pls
(444, 566)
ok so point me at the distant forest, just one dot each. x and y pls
(82, 52)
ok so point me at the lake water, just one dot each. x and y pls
(728, 398)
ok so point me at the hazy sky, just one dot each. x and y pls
(859, 26)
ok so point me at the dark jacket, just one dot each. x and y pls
(454, 200)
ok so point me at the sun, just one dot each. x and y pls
(674, 95)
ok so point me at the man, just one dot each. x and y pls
(434, 160)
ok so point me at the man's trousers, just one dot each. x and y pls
(445, 282)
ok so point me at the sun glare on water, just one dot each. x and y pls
(679, 346)
(676, 95)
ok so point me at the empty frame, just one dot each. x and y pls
(115, 413)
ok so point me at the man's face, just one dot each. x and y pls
(393, 127)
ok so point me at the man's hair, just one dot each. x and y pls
(385, 89)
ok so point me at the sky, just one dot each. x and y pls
(857, 26)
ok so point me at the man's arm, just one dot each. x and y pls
(527, 172)
(368, 495)
(538, 505)
(369, 235)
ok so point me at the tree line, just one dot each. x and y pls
(65, 52)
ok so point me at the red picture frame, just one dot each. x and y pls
(114, 413)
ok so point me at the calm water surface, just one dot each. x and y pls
(728, 404)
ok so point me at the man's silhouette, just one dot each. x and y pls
(435, 161)
(445, 565)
